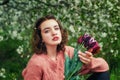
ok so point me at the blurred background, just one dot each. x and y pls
(100, 18)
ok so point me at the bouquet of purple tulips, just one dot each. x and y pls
(73, 66)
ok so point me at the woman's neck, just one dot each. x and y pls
(52, 52)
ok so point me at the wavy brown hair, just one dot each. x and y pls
(37, 45)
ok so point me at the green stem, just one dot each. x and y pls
(73, 72)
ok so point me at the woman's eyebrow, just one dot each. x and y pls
(56, 26)
(46, 28)
(49, 27)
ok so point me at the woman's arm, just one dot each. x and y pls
(92, 64)
(32, 72)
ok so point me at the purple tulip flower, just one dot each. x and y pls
(89, 43)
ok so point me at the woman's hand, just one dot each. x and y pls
(85, 57)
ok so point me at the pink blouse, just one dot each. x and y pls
(41, 67)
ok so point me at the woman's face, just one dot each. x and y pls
(50, 32)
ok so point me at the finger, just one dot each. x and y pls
(86, 52)
(89, 54)
(82, 54)
(79, 52)
(84, 59)
(90, 50)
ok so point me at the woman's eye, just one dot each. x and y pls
(57, 28)
(46, 31)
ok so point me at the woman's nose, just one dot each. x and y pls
(53, 32)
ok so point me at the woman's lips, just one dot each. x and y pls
(55, 38)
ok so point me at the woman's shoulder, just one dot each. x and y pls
(34, 65)
(69, 47)
(36, 59)
(69, 51)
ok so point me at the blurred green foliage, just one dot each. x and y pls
(100, 18)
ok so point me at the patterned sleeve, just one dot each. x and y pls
(96, 65)
(32, 72)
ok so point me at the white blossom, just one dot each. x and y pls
(2, 72)
(103, 34)
(14, 34)
(72, 29)
(19, 49)
(1, 38)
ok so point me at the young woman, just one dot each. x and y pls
(49, 46)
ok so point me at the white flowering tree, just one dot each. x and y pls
(100, 18)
